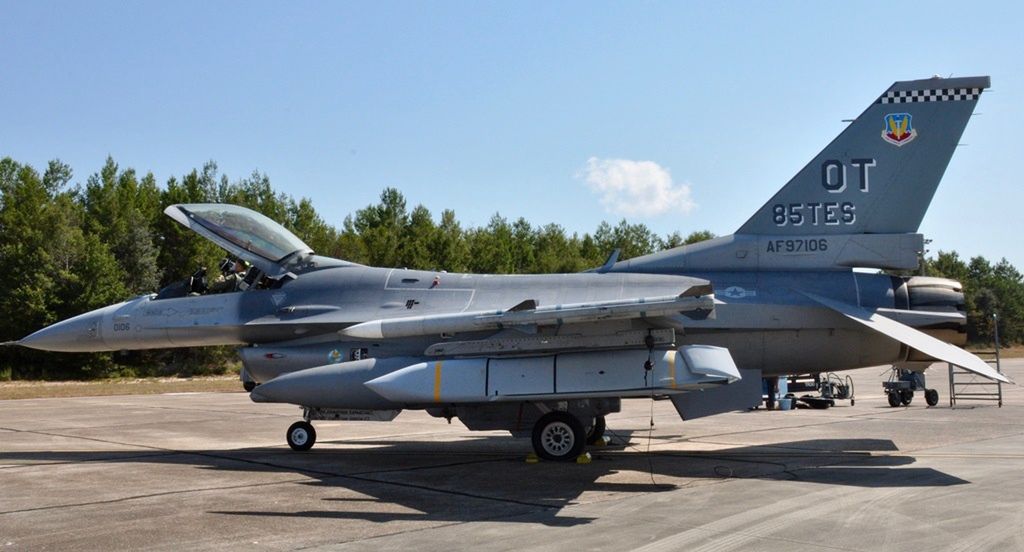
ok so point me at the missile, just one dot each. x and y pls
(391, 383)
(333, 385)
(527, 313)
(623, 373)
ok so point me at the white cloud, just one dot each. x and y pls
(635, 188)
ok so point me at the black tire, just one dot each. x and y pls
(596, 432)
(248, 386)
(931, 397)
(559, 436)
(894, 399)
(301, 436)
(906, 397)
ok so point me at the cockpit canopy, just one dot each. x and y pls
(244, 233)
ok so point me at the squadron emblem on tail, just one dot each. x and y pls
(898, 129)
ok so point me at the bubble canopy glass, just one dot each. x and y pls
(245, 229)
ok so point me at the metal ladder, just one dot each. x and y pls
(965, 385)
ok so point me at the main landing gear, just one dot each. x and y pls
(561, 437)
(558, 435)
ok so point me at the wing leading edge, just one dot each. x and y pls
(912, 338)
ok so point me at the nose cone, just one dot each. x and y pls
(81, 334)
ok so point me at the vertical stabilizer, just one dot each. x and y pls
(879, 175)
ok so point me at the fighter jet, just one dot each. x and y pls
(550, 356)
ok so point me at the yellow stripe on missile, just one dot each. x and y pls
(437, 381)
(673, 357)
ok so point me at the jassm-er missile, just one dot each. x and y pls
(621, 373)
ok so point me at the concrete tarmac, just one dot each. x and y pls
(211, 471)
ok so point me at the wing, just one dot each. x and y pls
(912, 338)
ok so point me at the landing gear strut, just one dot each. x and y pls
(596, 432)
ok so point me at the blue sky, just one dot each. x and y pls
(487, 107)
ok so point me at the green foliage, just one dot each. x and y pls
(988, 290)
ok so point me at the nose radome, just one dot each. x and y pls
(80, 334)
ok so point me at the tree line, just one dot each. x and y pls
(69, 248)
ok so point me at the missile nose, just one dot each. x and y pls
(74, 335)
(261, 396)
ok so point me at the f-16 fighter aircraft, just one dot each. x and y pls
(551, 355)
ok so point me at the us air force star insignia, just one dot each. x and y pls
(736, 292)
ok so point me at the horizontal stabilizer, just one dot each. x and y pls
(520, 317)
(913, 338)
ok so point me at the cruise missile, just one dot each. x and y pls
(629, 373)
(395, 382)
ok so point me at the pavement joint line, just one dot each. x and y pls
(321, 546)
(305, 470)
(69, 462)
(796, 452)
(497, 517)
(648, 453)
(430, 467)
(148, 495)
(845, 419)
(364, 478)
(968, 442)
(924, 421)
(667, 544)
(216, 411)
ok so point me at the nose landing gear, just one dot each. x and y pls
(301, 436)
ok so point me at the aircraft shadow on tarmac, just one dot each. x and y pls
(486, 478)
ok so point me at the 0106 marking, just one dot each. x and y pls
(797, 246)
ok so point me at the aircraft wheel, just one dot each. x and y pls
(558, 436)
(596, 432)
(894, 399)
(248, 386)
(301, 436)
(931, 397)
(906, 396)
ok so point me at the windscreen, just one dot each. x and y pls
(246, 229)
